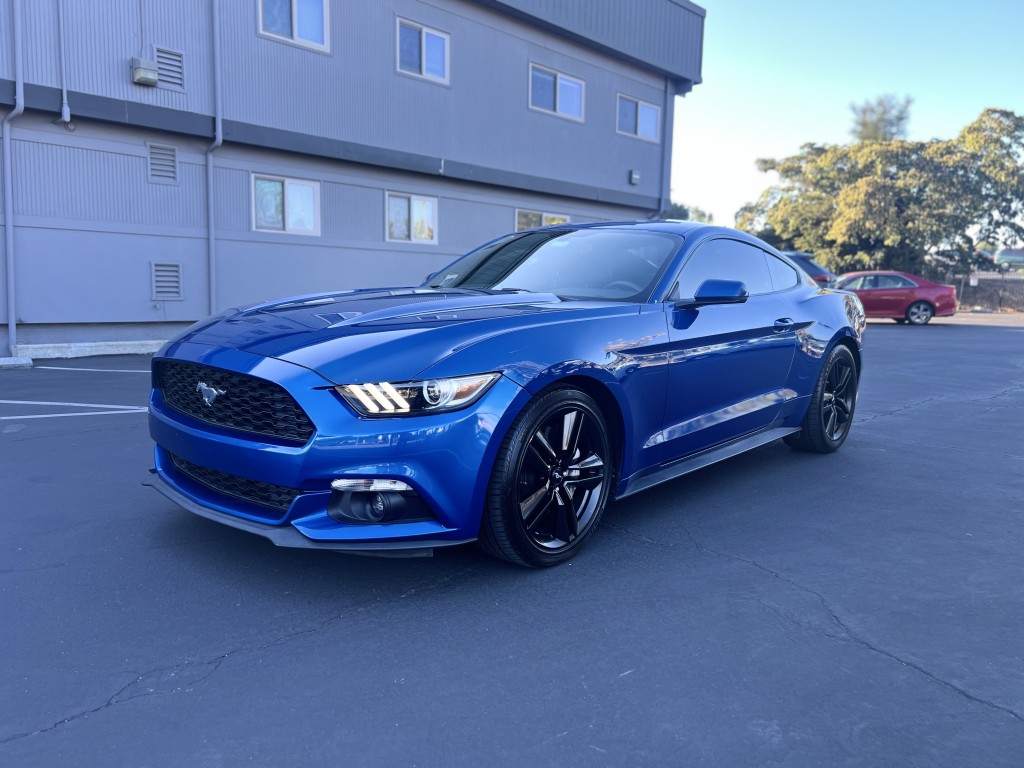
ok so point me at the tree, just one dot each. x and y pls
(686, 213)
(883, 119)
(898, 204)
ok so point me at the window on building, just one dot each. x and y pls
(533, 219)
(411, 218)
(304, 22)
(551, 91)
(422, 51)
(638, 118)
(286, 205)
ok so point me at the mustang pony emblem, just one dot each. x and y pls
(209, 393)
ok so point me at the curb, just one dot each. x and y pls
(85, 349)
(15, 362)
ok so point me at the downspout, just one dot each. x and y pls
(218, 139)
(65, 109)
(666, 124)
(19, 107)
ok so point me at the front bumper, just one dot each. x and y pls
(445, 458)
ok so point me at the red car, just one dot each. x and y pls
(903, 297)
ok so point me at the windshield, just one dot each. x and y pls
(603, 264)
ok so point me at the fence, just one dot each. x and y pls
(998, 291)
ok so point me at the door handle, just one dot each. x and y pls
(783, 324)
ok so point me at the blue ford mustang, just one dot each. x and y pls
(509, 398)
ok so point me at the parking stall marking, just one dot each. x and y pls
(102, 409)
(93, 370)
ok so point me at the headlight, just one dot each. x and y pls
(413, 398)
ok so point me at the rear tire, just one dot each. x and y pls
(830, 412)
(919, 313)
(551, 481)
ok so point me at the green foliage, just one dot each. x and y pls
(686, 213)
(898, 204)
(883, 119)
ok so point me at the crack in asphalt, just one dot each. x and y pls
(1001, 393)
(933, 445)
(901, 409)
(850, 635)
(154, 677)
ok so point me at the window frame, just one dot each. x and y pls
(285, 180)
(423, 30)
(544, 215)
(558, 77)
(325, 47)
(411, 196)
(636, 134)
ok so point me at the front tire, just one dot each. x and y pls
(919, 313)
(830, 413)
(551, 481)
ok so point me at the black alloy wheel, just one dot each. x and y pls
(830, 413)
(551, 481)
(919, 313)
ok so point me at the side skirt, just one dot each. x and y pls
(705, 458)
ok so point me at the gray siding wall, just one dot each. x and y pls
(89, 223)
(354, 93)
(665, 34)
(102, 37)
(89, 220)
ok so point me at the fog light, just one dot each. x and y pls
(378, 507)
(374, 507)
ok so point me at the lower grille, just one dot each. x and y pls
(275, 497)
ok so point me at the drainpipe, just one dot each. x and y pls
(218, 139)
(65, 109)
(666, 126)
(19, 107)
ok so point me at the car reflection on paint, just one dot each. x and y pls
(510, 398)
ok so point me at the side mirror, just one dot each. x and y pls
(713, 292)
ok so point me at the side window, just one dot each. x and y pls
(893, 281)
(783, 275)
(853, 284)
(724, 260)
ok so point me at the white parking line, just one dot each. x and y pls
(81, 413)
(94, 370)
(75, 405)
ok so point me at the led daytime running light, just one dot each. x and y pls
(384, 398)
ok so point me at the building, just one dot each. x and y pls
(166, 159)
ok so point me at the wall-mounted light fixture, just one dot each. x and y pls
(144, 72)
(634, 177)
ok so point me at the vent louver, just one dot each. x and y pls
(166, 281)
(171, 68)
(163, 164)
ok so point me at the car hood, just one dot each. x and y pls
(378, 335)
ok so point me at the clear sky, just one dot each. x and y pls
(780, 74)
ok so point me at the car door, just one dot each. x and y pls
(891, 295)
(728, 364)
(866, 288)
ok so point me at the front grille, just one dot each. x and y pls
(265, 494)
(243, 402)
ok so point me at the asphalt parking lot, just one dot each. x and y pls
(860, 609)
